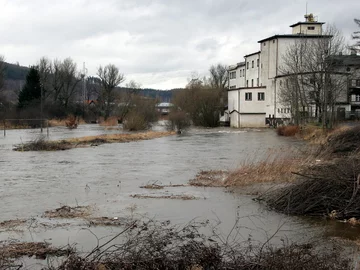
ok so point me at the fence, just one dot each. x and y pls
(26, 123)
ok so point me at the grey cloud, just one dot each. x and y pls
(153, 41)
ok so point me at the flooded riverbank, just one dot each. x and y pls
(109, 177)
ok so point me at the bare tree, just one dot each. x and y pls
(313, 76)
(45, 68)
(356, 36)
(110, 78)
(70, 79)
(218, 76)
(2, 71)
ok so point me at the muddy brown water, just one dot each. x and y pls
(107, 175)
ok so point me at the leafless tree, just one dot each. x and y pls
(70, 78)
(2, 71)
(45, 68)
(312, 75)
(218, 76)
(356, 36)
(110, 78)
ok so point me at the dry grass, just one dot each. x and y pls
(69, 212)
(40, 250)
(288, 131)
(111, 121)
(120, 138)
(62, 122)
(43, 145)
(183, 197)
(212, 178)
(275, 168)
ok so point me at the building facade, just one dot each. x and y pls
(254, 85)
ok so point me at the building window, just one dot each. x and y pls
(252, 82)
(257, 63)
(233, 75)
(261, 96)
(264, 43)
(257, 82)
(273, 40)
(248, 96)
(252, 64)
(357, 98)
(233, 87)
(278, 110)
(311, 27)
(247, 83)
(358, 83)
(247, 65)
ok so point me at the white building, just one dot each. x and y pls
(254, 84)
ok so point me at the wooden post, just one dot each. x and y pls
(4, 128)
(47, 127)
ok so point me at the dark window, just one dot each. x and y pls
(233, 87)
(247, 83)
(264, 43)
(233, 75)
(357, 82)
(252, 82)
(257, 63)
(311, 27)
(248, 96)
(252, 64)
(261, 96)
(247, 65)
(273, 40)
(257, 82)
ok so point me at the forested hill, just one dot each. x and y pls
(15, 72)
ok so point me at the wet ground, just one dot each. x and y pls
(106, 176)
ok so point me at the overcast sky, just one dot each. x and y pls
(156, 43)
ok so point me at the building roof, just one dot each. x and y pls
(251, 54)
(164, 105)
(306, 23)
(241, 64)
(294, 36)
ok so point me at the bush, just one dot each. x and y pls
(178, 121)
(153, 245)
(135, 121)
(288, 131)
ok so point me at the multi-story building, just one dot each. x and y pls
(253, 94)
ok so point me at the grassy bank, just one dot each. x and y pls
(42, 144)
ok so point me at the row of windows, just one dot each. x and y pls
(252, 82)
(252, 64)
(355, 83)
(355, 98)
(248, 96)
(284, 110)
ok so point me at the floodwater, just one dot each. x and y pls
(106, 176)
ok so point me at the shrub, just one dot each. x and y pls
(178, 121)
(135, 121)
(288, 131)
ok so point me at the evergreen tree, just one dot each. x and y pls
(31, 92)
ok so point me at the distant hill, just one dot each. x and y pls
(15, 72)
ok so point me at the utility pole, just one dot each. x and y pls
(41, 107)
(84, 88)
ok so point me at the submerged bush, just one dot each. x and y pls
(154, 245)
(178, 121)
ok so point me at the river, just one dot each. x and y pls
(106, 176)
